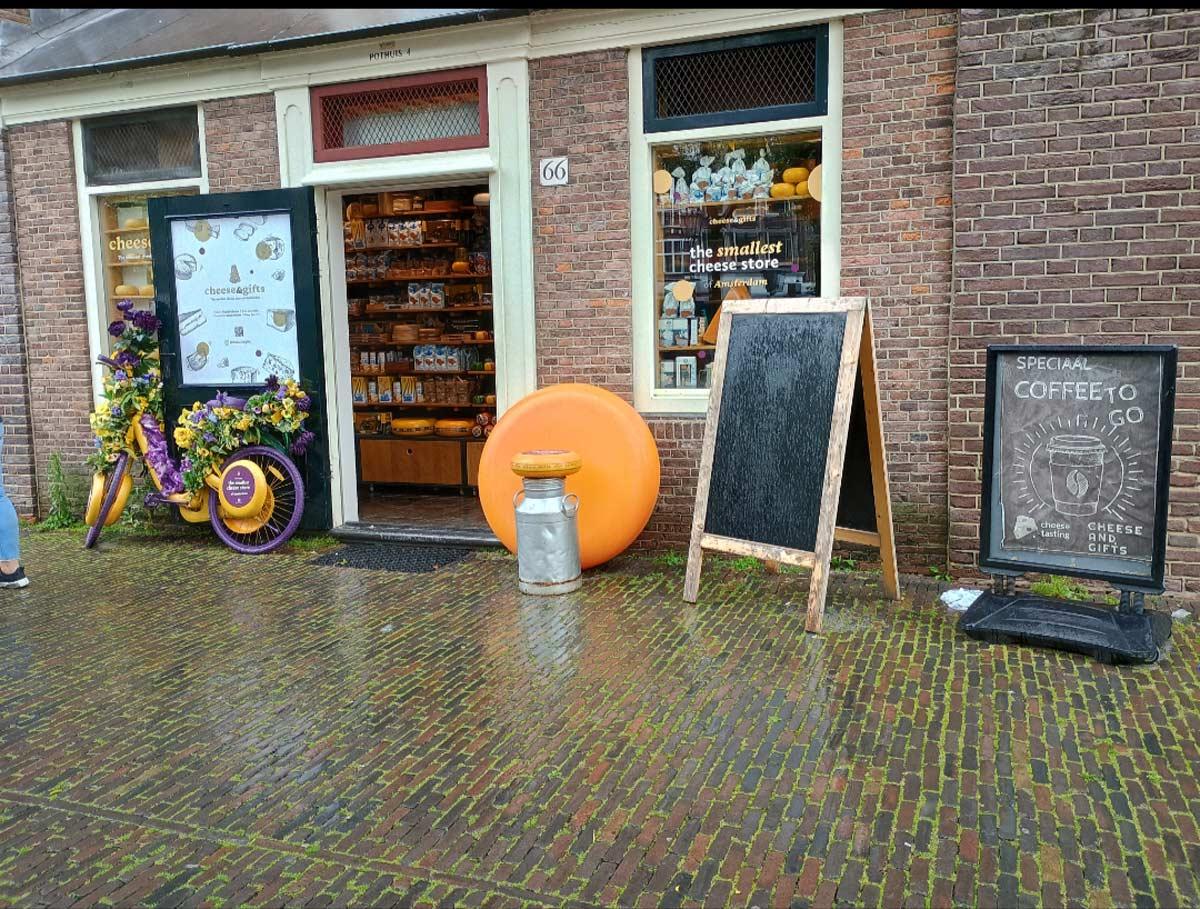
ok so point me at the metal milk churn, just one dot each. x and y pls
(547, 535)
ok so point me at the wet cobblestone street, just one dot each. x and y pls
(182, 726)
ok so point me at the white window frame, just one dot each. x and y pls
(94, 290)
(647, 398)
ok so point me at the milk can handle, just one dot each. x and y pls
(517, 495)
(569, 505)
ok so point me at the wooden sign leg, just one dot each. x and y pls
(879, 475)
(835, 459)
(691, 581)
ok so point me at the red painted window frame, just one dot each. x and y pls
(323, 154)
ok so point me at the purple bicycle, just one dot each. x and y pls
(254, 501)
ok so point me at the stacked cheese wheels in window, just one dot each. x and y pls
(799, 182)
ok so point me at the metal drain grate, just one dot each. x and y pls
(381, 557)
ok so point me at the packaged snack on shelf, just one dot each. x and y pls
(414, 293)
(437, 295)
(372, 391)
(666, 374)
(358, 389)
(685, 372)
(385, 392)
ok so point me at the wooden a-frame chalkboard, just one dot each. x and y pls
(793, 454)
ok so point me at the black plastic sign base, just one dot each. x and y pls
(1103, 634)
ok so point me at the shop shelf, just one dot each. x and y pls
(418, 279)
(446, 244)
(421, 213)
(685, 349)
(129, 263)
(391, 345)
(125, 230)
(410, 310)
(427, 405)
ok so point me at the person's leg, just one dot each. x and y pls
(10, 528)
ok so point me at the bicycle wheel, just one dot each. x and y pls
(112, 488)
(281, 513)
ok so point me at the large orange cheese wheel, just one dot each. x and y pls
(617, 484)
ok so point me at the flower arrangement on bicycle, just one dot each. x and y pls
(133, 386)
(207, 433)
(236, 473)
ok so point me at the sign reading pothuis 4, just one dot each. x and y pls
(235, 298)
(1079, 450)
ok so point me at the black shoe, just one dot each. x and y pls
(16, 579)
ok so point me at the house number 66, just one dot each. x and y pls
(553, 171)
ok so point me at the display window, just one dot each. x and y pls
(735, 173)
(734, 219)
(128, 273)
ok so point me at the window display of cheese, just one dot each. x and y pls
(146, 290)
(795, 175)
(782, 191)
(453, 428)
(125, 290)
(412, 427)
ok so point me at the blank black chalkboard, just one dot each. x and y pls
(793, 446)
(777, 401)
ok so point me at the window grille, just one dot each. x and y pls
(148, 145)
(407, 115)
(774, 76)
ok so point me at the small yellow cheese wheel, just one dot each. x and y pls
(802, 191)
(782, 191)
(125, 290)
(146, 290)
(795, 175)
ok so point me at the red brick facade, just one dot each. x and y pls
(579, 107)
(897, 234)
(14, 397)
(1077, 213)
(55, 316)
(896, 250)
(241, 143)
(1007, 176)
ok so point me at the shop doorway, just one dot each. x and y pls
(420, 311)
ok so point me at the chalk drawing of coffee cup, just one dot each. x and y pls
(281, 319)
(196, 361)
(244, 231)
(270, 248)
(1076, 471)
(186, 266)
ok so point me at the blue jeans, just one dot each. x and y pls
(10, 533)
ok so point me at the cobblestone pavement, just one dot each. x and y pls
(183, 726)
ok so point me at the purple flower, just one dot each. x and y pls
(128, 359)
(222, 399)
(272, 383)
(300, 446)
(209, 437)
(120, 375)
(303, 403)
(125, 305)
(186, 464)
(196, 416)
(146, 321)
(116, 328)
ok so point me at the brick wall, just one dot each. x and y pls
(51, 272)
(241, 143)
(582, 269)
(897, 233)
(1077, 217)
(899, 89)
(19, 480)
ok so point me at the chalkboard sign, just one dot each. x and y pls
(793, 451)
(1077, 459)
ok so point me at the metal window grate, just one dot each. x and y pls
(386, 557)
(151, 145)
(736, 80)
(400, 116)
